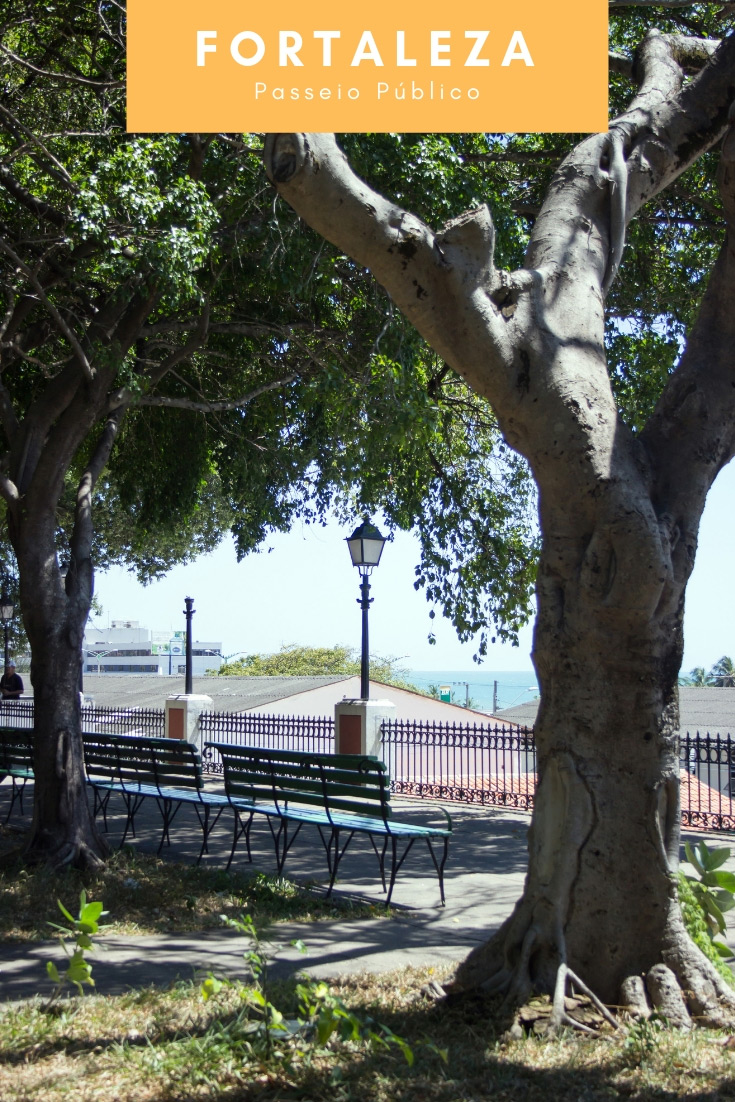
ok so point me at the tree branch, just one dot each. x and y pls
(61, 172)
(220, 405)
(32, 278)
(61, 76)
(691, 434)
(442, 282)
(34, 205)
(723, 5)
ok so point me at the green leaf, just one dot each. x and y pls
(64, 911)
(725, 880)
(325, 1027)
(90, 913)
(713, 858)
(209, 987)
(53, 971)
(712, 909)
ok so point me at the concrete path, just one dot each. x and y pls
(484, 877)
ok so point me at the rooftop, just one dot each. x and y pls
(705, 710)
(229, 694)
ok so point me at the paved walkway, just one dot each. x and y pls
(484, 877)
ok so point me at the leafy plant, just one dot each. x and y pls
(321, 1015)
(704, 901)
(715, 889)
(642, 1038)
(81, 929)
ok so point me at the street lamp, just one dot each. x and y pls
(188, 612)
(6, 615)
(366, 547)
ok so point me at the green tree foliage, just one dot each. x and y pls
(255, 375)
(696, 678)
(293, 660)
(722, 674)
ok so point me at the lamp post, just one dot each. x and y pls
(6, 615)
(188, 612)
(366, 546)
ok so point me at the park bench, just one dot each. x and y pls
(16, 761)
(138, 768)
(340, 794)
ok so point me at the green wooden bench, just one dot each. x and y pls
(138, 768)
(340, 794)
(16, 761)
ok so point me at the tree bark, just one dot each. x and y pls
(619, 531)
(63, 831)
(55, 608)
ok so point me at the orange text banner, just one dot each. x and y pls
(225, 65)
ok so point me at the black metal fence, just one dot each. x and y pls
(118, 721)
(468, 762)
(150, 722)
(16, 713)
(314, 733)
(707, 781)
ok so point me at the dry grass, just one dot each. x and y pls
(154, 1046)
(149, 895)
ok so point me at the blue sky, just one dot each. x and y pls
(302, 589)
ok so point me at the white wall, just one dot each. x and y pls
(415, 706)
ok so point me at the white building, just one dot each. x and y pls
(125, 648)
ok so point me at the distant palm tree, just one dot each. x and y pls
(698, 677)
(722, 673)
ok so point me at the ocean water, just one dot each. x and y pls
(481, 686)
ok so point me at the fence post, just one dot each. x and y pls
(357, 725)
(182, 717)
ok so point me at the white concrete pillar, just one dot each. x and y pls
(357, 725)
(182, 717)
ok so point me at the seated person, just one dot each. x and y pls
(11, 683)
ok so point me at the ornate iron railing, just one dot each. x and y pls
(118, 721)
(707, 781)
(315, 733)
(16, 713)
(148, 722)
(468, 762)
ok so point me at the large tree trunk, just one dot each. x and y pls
(619, 511)
(55, 608)
(63, 831)
(600, 893)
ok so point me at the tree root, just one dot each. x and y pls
(560, 1017)
(69, 854)
(709, 998)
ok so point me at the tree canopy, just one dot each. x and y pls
(293, 660)
(250, 375)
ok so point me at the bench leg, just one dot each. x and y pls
(100, 803)
(439, 865)
(203, 814)
(396, 864)
(132, 803)
(16, 793)
(238, 832)
(380, 855)
(282, 842)
(334, 853)
(168, 809)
